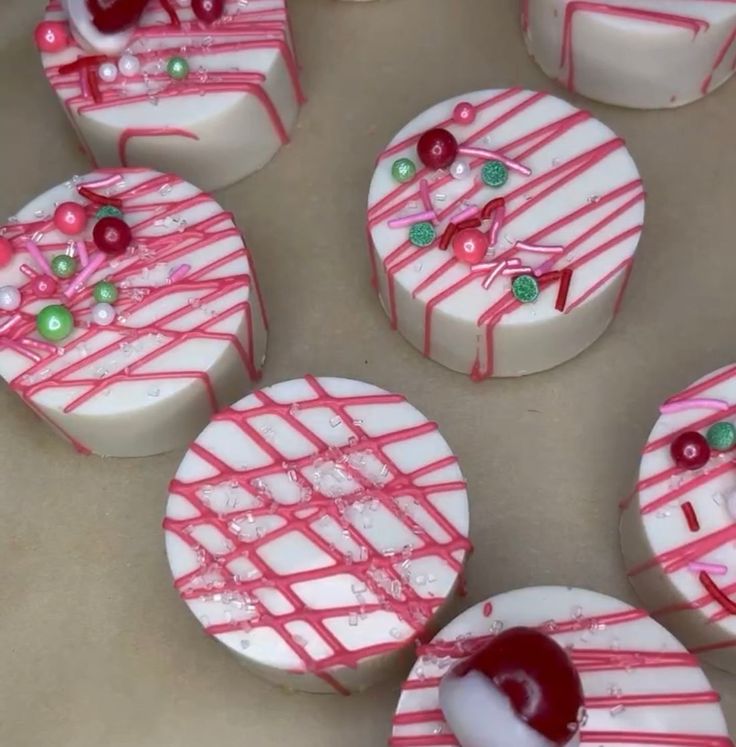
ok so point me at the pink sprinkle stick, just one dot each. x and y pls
(496, 268)
(409, 220)
(714, 568)
(494, 156)
(10, 323)
(179, 272)
(690, 404)
(28, 271)
(498, 218)
(518, 270)
(538, 248)
(107, 181)
(424, 193)
(469, 212)
(544, 267)
(82, 251)
(84, 275)
(38, 344)
(35, 252)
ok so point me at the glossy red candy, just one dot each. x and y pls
(537, 676)
(690, 450)
(208, 11)
(437, 148)
(114, 16)
(51, 36)
(470, 245)
(111, 235)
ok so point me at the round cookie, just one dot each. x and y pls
(129, 311)
(678, 527)
(640, 685)
(646, 54)
(493, 185)
(210, 101)
(316, 529)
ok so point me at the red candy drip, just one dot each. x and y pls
(437, 148)
(537, 676)
(208, 11)
(690, 450)
(112, 235)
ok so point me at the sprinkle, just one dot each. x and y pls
(82, 252)
(92, 86)
(28, 271)
(447, 236)
(81, 278)
(35, 252)
(10, 323)
(721, 436)
(716, 568)
(494, 174)
(424, 193)
(38, 344)
(495, 209)
(717, 594)
(523, 270)
(538, 248)
(493, 155)
(463, 215)
(107, 181)
(671, 406)
(562, 293)
(690, 516)
(403, 170)
(81, 63)
(525, 288)
(98, 199)
(488, 281)
(487, 609)
(422, 234)
(409, 220)
(178, 273)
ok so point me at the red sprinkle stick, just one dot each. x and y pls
(490, 207)
(94, 88)
(81, 63)
(712, 588)
(564, 289)
(690, 516)
(166, 5)
(447, 236)
(469, 223)
(99, 199)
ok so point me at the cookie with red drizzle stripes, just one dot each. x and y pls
(646, 54)
(678, 528)
(640, 686)
(165, 330)
(560, 203)
(211, 101)
(316, 529)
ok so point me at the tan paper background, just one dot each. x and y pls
(95, 647)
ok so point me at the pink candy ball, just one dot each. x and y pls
(51, 37)
(470, 245)
(464, 113)
(43, 286)
(70, 218)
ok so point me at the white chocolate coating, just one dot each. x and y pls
(224, 121)
(646, 54)
(316, 529)
(177, 350)
(584, 196)
(661, 549)
(640, 685)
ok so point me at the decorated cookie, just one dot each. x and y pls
(647, 54)
(129, 310)
(316, 529)
(516, 669)
(679, 526)
(502, 228)
(208, 89)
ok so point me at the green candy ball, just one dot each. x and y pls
(525, 288)
(494, 174)
(177, 68)
(721, 436)
(403, 170)
(55, 322)
(109, 211)
(63, 266)
(422, 234)
(105, 292)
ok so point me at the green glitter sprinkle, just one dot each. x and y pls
(109, 211)
(403, 170)
(105, 292)
(63, 266)
(177, 68)
(494, 174)
(525, 288)
(422, 234)
(721, 436)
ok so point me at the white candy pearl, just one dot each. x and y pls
(103, 314)
(9, 298)
(107, 72)
(129, 65)
(460, 169)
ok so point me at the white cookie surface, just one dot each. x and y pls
(646, 54)
(640, 685)
(572, 216)
(315, 529)
(679, 526)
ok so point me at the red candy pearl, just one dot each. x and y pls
(43, 286)
(690, 450)
(470, 245)
(6, 251)
(208, 11)
(464, 113)
(51, 37)
(70, 218)
(437, 148)
(111, 235)
(537, 676)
